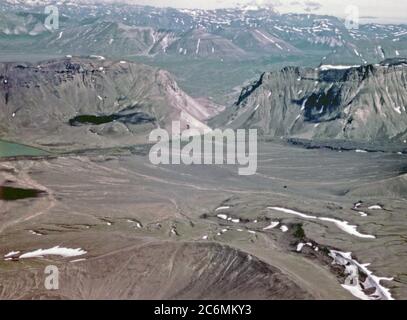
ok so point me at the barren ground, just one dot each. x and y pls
(153, 231)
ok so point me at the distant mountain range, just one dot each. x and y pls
(121, 29)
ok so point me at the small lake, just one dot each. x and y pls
(10, 149)
(12, 194)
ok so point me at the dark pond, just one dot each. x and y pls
(12, 194)
(127, 118)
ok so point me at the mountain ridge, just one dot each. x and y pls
(355, 103)
(258, 32)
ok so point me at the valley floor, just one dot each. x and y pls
(203, 231)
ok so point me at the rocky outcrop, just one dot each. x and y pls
(366, 103)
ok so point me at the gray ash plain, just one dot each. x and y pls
(203, 231)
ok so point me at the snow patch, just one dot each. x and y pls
(397, 109)
(97, 57)
(272, 225)
(326, 67)
(284, 228)
(343, 225)
(55, 251)
(372, 281)
(11, 254)
(197, 46)
(303, 104)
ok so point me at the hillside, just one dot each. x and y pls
(76, 102)
(361, 103)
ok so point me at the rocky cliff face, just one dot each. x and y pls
(366, 103)
(92, 102)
